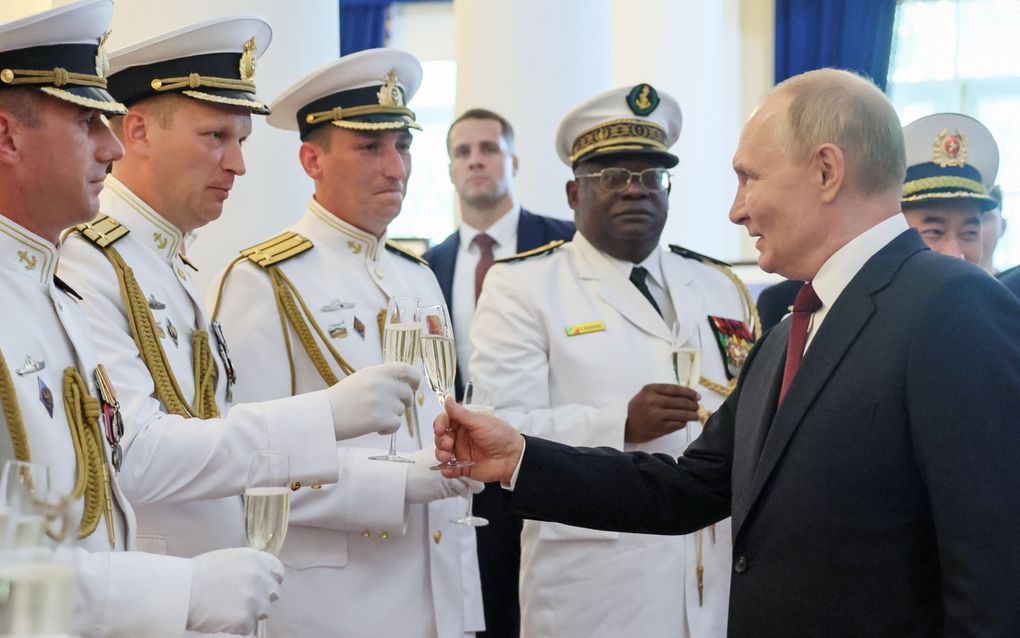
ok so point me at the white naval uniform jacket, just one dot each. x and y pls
(360, 562)
(575, 389)
(184, 476)
(127, 594)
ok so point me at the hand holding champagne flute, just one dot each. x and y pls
(267, 506)
(439, 355)
(402, 344)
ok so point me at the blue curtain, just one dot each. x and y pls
(846, 34)
(363, 23)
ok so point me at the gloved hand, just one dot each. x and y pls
(231, 589)
(372, 399)
(425, 485)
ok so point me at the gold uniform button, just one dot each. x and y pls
(295, 486)
(366, 534)
(316, 485)
(421, 398)
(437, 536)
(378, 272)
(384, 535)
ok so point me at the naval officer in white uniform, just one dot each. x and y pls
(303, 309)
(576, 340)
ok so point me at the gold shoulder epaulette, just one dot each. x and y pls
(690, 254)
(278, 249)
(541, 250)
(103, 231)
(403, 252)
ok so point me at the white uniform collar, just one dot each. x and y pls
(146, 225)
(349, 240)
(504, 230)
(652, 263)
(26, 253)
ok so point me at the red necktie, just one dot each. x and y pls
(804, 306)
(485, 259)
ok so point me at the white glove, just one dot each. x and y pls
(372, 399)
(231, 589)
(425, 485)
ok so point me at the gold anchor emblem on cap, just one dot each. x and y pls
(29, 261)
(389, 93)
(247, 64)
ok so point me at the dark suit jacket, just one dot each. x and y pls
(775, 301)
(499, 548)
(882, 498)
(1011, 279)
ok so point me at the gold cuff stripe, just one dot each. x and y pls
(943, 181)
(194, 81)
(56, 77)
(341, 113)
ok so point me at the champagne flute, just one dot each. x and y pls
(481, 399)
(401, 343)
(267, 506)
(39, 583)
(439, 355)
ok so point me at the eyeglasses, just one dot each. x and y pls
(617, 179)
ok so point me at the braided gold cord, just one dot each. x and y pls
(205, 371)
(143, 331)
(57, 77)
(194, 81)
(92, 478)
(12, 414)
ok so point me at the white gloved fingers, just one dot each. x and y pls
(231, 589)
(408, 375)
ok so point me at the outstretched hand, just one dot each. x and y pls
(491, 443)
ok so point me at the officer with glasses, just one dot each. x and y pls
(576, 340)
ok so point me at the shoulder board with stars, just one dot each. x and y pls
(541, 250)
(690, 254)
(103, 231)
(276, 250)
(405, 253)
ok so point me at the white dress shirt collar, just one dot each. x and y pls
(504, 230)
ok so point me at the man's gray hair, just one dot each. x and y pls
(848, 110)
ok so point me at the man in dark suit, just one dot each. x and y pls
(868, 455)
(482, 167)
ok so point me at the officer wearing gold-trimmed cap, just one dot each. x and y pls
(952, 160)
(190, 97)
(582, 354)
(59, 408)
(306, 308)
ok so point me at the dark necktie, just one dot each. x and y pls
(637, 277)
(804, 306)
(485, 259)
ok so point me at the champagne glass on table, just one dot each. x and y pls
(439, 355)
(481, 399)
(401, 344)
(267, 506)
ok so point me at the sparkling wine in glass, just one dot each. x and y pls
(439, 354)
(687, 359)
(267, 506)
(401, 343)
(481, 399)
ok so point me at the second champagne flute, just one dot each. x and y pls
(267, 506)
(439, 355)
(401, 344)
(481, 399)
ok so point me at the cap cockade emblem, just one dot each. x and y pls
(389, 93)
(949, 149)
(247, 64)
(102, 58)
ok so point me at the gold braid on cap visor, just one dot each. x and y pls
(340, 114)
(619, 135)
(946, 181)
(195, 81)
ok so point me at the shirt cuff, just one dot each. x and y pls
(513, 478)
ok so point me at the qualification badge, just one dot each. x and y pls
(338, 330)
(734, 339)
(172, 331)
(45, 397)
(156, 304)
(224, 352)
(359, 327)
(31, 365)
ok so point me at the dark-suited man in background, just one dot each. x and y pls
(874, 482)
(493, 225)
